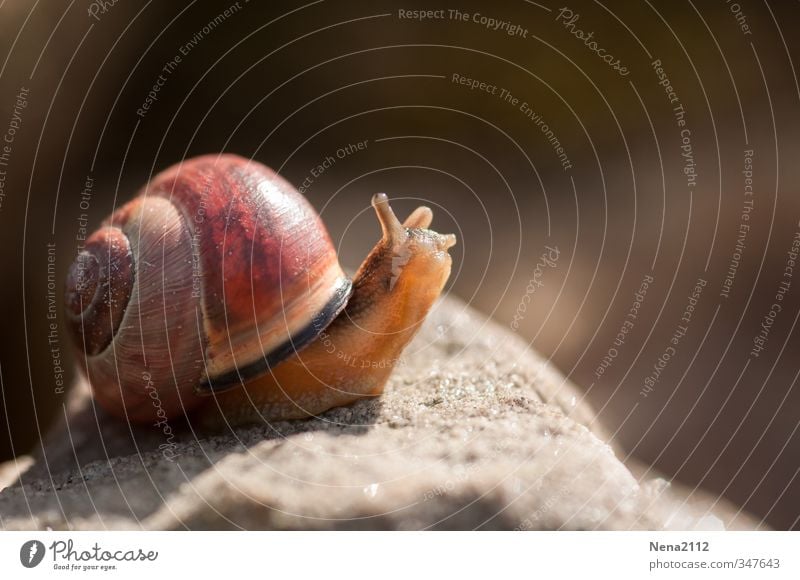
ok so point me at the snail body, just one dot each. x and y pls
(217, 292)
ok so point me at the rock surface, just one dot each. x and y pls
(475, 431)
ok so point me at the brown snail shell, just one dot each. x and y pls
(216, 271)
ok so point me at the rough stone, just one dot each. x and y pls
(475, 431)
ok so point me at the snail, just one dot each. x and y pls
(217, 292)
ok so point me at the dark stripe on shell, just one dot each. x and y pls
(259, 367)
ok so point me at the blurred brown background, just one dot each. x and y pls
(290, 83)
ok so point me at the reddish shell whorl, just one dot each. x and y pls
(143, 355)
(266, 268)
(216, 271)
(99, 286)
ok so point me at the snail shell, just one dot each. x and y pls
(218, 270)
